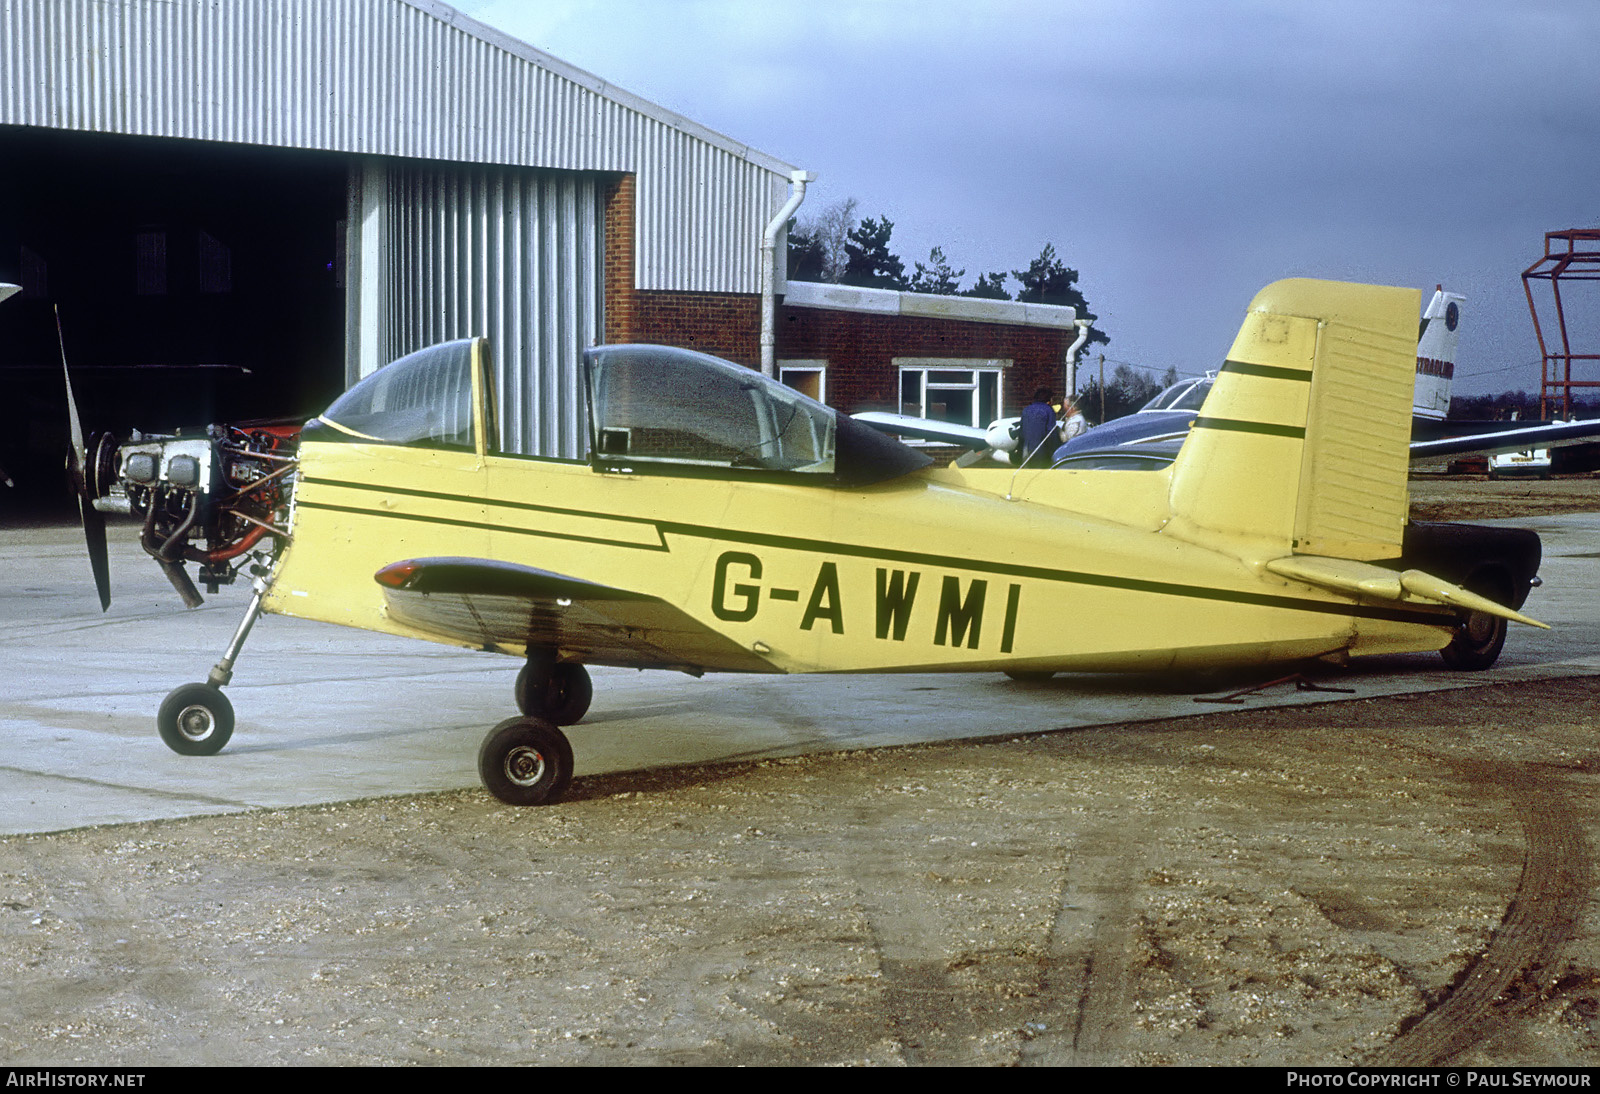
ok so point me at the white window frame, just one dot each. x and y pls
(977, 367)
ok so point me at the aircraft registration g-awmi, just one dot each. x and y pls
(724, 523)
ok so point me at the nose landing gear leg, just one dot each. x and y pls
(197, 719)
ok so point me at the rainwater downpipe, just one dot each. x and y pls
(769, 248)
(1072, 357)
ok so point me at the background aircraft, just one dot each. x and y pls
(723, 522)
(1151, 436)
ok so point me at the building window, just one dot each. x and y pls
(216, 264)
(150, 262)
(809, 378)
(961, 391)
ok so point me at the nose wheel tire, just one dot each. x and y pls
(563, 700)
(195, 720)
(526, 761)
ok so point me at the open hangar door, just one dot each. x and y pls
(196, 282)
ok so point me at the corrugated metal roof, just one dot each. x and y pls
(405, 78)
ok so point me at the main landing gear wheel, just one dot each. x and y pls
(526, 761)
(1479, 637)
(564, 699)
(195, 720)
(1477, 643)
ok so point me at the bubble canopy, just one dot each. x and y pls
(423, 399)
(659, 408)
(652, 410)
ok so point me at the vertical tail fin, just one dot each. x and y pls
(1436, 355)
(1303, 444)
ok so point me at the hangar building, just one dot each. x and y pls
(238, 208)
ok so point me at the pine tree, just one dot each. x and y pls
(1048, 280)
(989, 286)
(869, 263)
(937, 277)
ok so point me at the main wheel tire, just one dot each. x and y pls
(525, 761)
(1479, 637)
(195, 720)
(1477, 643)
(564, 699)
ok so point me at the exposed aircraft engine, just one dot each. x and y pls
(219, 500)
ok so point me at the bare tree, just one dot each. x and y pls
(830, 230)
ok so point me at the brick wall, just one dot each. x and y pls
(619, 251)
(725, 324)
(860, 348)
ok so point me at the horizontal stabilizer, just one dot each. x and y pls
(1436, 589)
(1353, 578)
(1342, 575)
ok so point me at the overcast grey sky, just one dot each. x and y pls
(1179, 154)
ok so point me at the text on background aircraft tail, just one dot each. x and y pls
(1436, 355)
(1302, 444)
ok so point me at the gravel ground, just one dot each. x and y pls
(1402, 881)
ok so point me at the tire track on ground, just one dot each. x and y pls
(1089, 981)
(1522, 963)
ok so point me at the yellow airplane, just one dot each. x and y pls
(723, 522)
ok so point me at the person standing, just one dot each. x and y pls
(1073, 422)
(1039, 435)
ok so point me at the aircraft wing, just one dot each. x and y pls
(1148, 441)
(1158, 451)
(505, 606)
(1543, 435)
(926, 429)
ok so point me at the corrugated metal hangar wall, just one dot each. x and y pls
(476, 163)
(515, 255)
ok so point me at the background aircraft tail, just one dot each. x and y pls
(1436, 355)
(1302, 444)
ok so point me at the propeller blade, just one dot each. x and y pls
(74, 426)
(94, 537)
(94, 524)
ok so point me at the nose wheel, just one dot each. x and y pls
(195, 720)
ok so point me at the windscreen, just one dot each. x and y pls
(1185, 395)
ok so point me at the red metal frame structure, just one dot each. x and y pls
(1569, 255)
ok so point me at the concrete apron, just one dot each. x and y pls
(330, 714)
